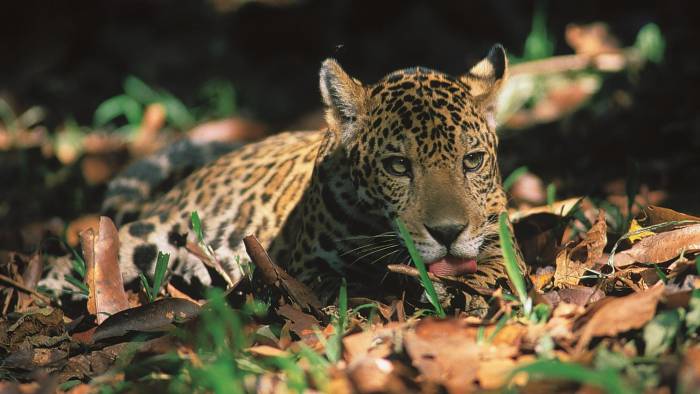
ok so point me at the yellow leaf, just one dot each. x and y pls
(634, 226)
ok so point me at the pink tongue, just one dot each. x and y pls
(452, 266)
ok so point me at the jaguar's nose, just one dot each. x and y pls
(446, 235)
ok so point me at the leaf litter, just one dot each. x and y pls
(582, 312)
(609, 311)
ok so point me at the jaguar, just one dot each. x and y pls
(418, 146)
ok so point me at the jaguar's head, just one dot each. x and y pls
(422, 146)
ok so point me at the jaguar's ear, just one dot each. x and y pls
(486, 78)
(345, 99)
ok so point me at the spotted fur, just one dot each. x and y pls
(323, 202)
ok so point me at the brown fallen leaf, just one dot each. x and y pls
(493, 374)
(689, 374)
(446, 352)
(611, 316)
(103, 276)
(175, 293)
(652, 215)
(267, 351)
(577, 295)
(573, 262)
(155, 316)
(375, 375)
(300, 323)
(560, 208)
(542, 278)
(376, 342)
(661, 247)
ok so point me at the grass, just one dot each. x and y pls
(197, 226)
(552, 369)
(511, 262)
(153, 289)
(538, 44)
(80, 270)
(420, 265)
(334, 346)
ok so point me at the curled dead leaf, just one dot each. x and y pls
(572, 262)
(652, 215)
(661, 247)
(611, 316)
(103, 276)
(440, 350)
(155, 316)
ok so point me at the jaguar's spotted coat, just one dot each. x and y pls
(419, 145)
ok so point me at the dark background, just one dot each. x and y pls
(70, 56)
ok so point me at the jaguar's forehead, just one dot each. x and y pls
(431, 112)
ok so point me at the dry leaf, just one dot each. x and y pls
(300, 323)
(689, 375)
(572, 263)
(661, 247)
(103, 277)
(377, 342)
(155, 316)
(634, 226)
(652, 215)
(493, 374)
(611, 316)
(560, 208)
(446, 352)
(375, 375)
(267, 351)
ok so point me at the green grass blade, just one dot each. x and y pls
(651, 43)
(513, 177)
(510, 260)
(660, 273)
(551, 194)
(79, 264)
(553, 369)
(197, 226)
(335, 351)
(77, 283)
(146, 286)
(159, 275)
(420, 265)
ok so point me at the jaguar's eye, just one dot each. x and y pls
(472, 161)
(397, 166)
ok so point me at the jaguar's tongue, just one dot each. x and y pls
(452, 266)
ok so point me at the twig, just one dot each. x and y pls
(578, 62)
(25, 289)
(410, 271)
(274, 275)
